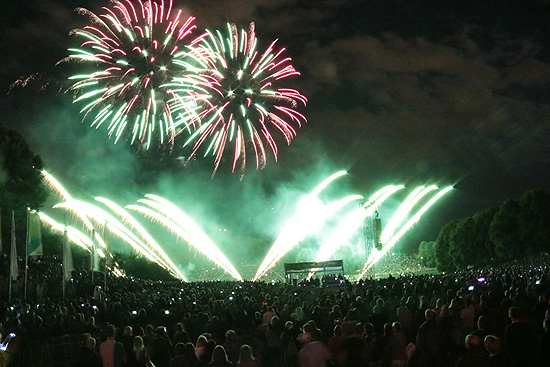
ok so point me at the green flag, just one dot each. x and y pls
(35, 239)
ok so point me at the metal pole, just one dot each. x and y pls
(64, 254)
(11, 252)
(107, 254)
(64, 260)
(9, 289)
(105, 279)
(92, 260)
(26, 255)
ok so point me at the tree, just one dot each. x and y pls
(534, 220)
(21, 184)
(444, 260)
(427, 253)
(482, 224)
(504, 232)
(513, 230)
(469, 242)
(463, 248)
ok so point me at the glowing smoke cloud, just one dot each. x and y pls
(128, 53)
(182, 225)
(294, 231)
(377, 255)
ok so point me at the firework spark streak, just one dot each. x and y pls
(75, 236)
(404, 209)
(53, 183)
(377, 255)
(293, 231)
(128, 53)
(352, 221)
(128, 219)
(78, 238)
(116, 227)
(244, 102)
(183, 226)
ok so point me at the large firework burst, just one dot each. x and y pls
(243, 103)
(129, 51)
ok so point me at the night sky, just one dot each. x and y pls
(400, 92)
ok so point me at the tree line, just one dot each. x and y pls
(515, 229)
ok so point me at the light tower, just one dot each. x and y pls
(368, 233)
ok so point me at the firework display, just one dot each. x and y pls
(149, 79)
(127, 54)
(339, 217)
(311, 210)
(96, 219)
(298, 227)
(246, 102)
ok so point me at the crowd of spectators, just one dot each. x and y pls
(477, 317)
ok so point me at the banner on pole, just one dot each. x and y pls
(35, 238)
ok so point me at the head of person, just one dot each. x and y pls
(493, 344)
(201, 341)
(289, 325)
(430, 314)
(149, 329)
(189, 352)
(231, 336)
(179, 349)
(514, 313)
(110, 331)
(472, 342)
(127, 331)
(90, 343)
(483, 322)
(219, 354)
(161, 331)
(245, 353)
(368, 328)
(387, 329)
(138, 342)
